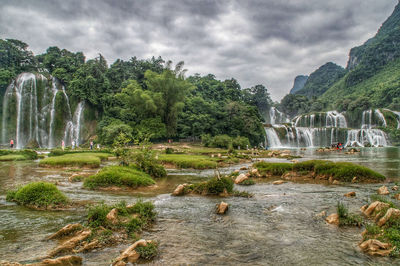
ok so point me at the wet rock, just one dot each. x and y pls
(255, 173)
(395, 213)
(336, 182)
(222, 208)
(354, 180)
(383, 190)
(330, 180)
(376, 247)
(350, 194)
(321, 214)
(240, 178)
(8, 263)
(333, 219)
(224, 193)
(278, 182)
(89, 246)
(243, 168)
(236, 171)
(71, 243)
(364, 207)
(61, 261)
(112, 216)
(130, 254)
(179, 190)
(375, 206)
(294, 161)
(395, 188)
(66, 230)
(397, 196)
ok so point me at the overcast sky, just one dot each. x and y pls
(256, 42)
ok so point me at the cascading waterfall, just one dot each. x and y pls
(34, 111)
(325, 128)
(276, 116)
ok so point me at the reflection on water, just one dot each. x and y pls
(276, 227)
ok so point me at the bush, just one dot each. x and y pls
(97, 215)
(118, 176)
(221, 141)
(214, 186)
(145, 161)
(241, 142)
(38, 194)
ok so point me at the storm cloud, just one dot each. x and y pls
(265, 42)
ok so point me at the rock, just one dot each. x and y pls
(395, 188)
(321, 214)
(71, 243)
(61, 261)
(236, 171)
(89, 246)
(375, 206)
(120, 263)
(240, 178)
(222, 208)
(397, 196)
(66, 230)
(224, 193)
(395, 213)
(130, 254)
(219, 155)
(179, 190)
(333, 219)
(383, 190)
(364, 207)
(295, 161)
(278, 182)
(350, 194)
(354, 180)
(330, 180)
(112, 216)
(243, 168)
(376, 247)
(336, 182)
(8, 263)
(254, 172)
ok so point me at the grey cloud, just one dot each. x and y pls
(256, 41)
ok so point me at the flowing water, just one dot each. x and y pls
(276, 227)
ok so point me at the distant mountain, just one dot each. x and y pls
(322, 79)
(299, 83)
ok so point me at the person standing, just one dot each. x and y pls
(11, 143)
(62, 145)
(73, 144)
(91, 145)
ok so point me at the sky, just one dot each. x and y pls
(266, 42)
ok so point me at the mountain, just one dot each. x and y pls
(299, 83)
(321, 79)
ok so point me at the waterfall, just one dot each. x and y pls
(398, 118)
(335, 119)
(381, 117)
(272, 138)
(361, 137)
(366, 116)
(32, 113)
(275, 116)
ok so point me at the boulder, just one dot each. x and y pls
(222, 208)
(243, 168)
(130, 254)
(61, 261)
(179, 190)
(375, 206)
(240, 178)
(395, 188)
(336, 182)
(333, 219)
(71, 243)
(321, 214)
(278, 182)
(383, 190)
(66, 230)
(395, 213)
(236, 171)
(376, 247)
(350, 194)
(112, 216)
(254, 172)
(364, 207)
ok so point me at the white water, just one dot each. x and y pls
(335, 119)
(381, 117)
(272, 138)
(276, 116)
(77, 122)
(52, 114)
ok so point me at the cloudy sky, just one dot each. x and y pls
(265, 42)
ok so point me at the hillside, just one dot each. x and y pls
(298, 83)
(321, 79)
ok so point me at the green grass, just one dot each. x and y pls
(38, 194)
(87, 159)
(275, 169)
(59, 152)
(189, 161)
(147, 252)
(248, 182)
(17, 155)
(118, 176)
(214, 186)
(346, 218)
(342, 171)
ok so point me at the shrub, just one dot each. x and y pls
(38, 194)
(97, 215)
(241, 142)
(221, 141)
(145, 161)
(214, 186)
(118, 176)
(347, 219)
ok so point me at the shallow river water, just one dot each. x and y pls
(276, 227)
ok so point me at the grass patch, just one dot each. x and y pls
(59, 152)
(147, 252)
(248, 182)
(346, 218)
(189, 161)
(12, 155)
(214, 186)
(275, 169)
(118, 176)
(38, 194)
(242, 194)
(86, 159)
